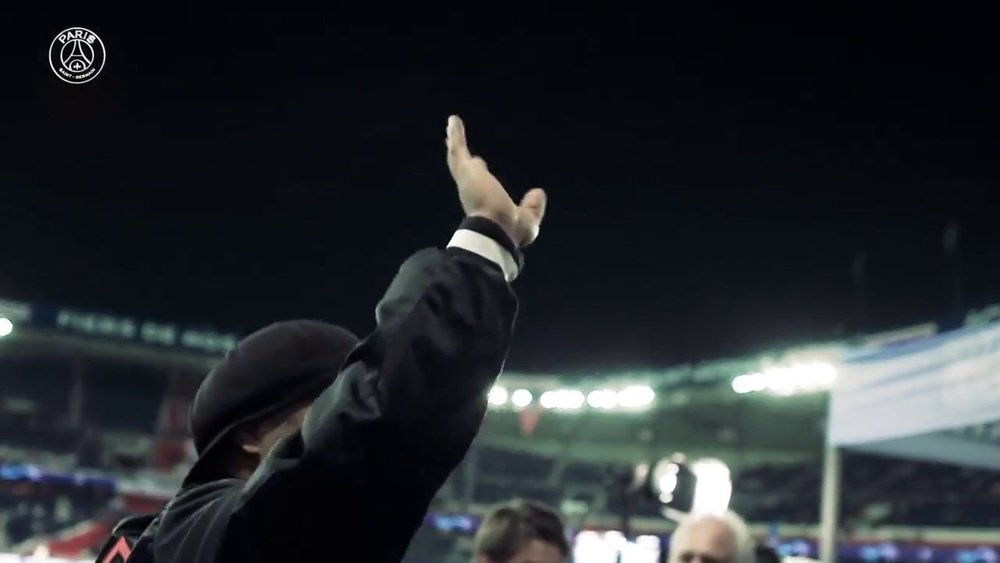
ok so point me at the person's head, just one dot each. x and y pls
(521, 532)
(261, 393)
(712, 539)
(253, 441)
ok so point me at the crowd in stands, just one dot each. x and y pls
(879, 491)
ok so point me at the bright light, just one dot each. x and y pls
(597, 547)
(667, 482)
(799, 378)
(713, 487)
(563, 399)
(602, 399)
(635, 397)
(591, 547)
(749, 383)
(521, 398)
(6, 326)
(645, 549)
(665, 479)
(498, 396)
(665, 476)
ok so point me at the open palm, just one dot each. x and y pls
(483, 195)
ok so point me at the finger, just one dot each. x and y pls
(458, 148)
(534, 202)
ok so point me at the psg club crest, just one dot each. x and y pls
(77, 55)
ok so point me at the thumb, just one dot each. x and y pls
(534, 203)
(529, 215)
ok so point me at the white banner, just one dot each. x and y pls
(933, 398)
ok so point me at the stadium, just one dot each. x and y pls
(94, 411)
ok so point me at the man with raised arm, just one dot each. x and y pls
(315, 447)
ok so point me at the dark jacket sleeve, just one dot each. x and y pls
(377, 444)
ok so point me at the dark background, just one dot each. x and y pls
(712, 176)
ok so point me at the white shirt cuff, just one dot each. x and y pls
(487, 248)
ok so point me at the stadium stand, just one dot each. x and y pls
(93, 427)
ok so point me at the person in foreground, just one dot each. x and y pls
(712, 538)
(521, 532)
(314, 449)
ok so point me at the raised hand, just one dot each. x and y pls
(483, 195)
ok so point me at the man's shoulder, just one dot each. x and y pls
(203, 492)
(193, 523)
(134, 526)
(129, 540)
(191, 501)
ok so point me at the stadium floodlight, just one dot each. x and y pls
(6, 326)
(636, 397)
(521, 398)
(631, 398)
(790, 380)
(602, 399)
(562, 399)
(497, 396)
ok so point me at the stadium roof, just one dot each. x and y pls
(695, 410)
(44, 331)
(32, 344)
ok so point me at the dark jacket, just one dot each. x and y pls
(355, 483)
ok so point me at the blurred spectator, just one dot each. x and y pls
(712, 539)
(521, 532)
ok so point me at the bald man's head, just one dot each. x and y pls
(712, 539)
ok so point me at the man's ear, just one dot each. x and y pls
(248, 442)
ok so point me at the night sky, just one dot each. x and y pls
(711, 176)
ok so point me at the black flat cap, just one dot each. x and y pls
(272, 369)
